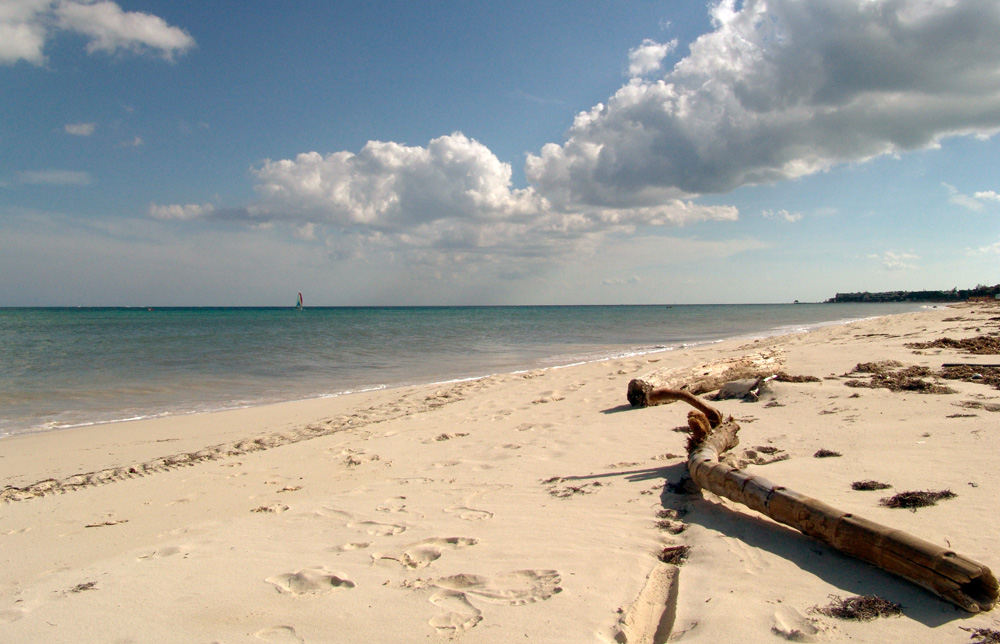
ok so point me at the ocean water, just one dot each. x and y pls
(65, 367)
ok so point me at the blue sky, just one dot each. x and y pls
(378, 153)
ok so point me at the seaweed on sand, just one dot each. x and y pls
(983, 635)
(866, 486)
(916, 499)
(891, 375)
(979, 345)
(863, 608)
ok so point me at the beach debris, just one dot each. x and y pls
(869, 485)
(862, 608)
(975, 404)
(702, 378)
(675, 555)
(782, 376)
(980, 374)
(983, 635)
(574, 490)
(953, 577)
(79, 588)
(826, 453)
(894, 376)
(979, 345)
(761, 455)
(669, 521)
(916, 499)
(104, 524)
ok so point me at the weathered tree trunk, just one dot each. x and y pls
(642, 392)
(951, 576)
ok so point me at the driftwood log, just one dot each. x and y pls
(642, 392)
(951, 576)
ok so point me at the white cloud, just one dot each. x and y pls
(27, 25)
(778, 90)
(134, 142)
(972, 202)
(648, 57)
(22, 32)
(181, 212)
(53, 178)
(781, 89)
(454, 196)
(989, 249)
(893, 261)
(790, 217)
(80, 129)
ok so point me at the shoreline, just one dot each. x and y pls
(609, 352)
(520, 505)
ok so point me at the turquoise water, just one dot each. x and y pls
(62, 367)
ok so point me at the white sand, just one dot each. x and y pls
(522, 507)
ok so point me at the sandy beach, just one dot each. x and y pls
(528, 507)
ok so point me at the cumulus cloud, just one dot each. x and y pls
(454, 194)
(974, 202)
(778, 89)
(781, 89)
(27, 25)
(893, 261)
(648, 57)
(80, 129)
(179, 212)
(790, 217)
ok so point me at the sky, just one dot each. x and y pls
(460, 153)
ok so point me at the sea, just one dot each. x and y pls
(71, 367)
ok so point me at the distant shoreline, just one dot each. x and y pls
(954, 295)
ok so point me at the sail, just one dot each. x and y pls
(299, 305)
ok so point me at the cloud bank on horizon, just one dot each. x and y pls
(779, 89)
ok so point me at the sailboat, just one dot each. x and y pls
(298, 305)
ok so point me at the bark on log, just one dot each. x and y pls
(958, 579)
(642, 392)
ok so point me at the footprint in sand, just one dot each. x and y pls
(796, 627)
(310, 581)
(393, 504)
(470, 514)
(163, 552)
(513, 588)
(9, 615)
(459, 615)
(455, 594)
(422, 553)
(377, 529)
(354, 545)
(279, 635)
(374, 528)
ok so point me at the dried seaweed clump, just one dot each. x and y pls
(675, 555)
(891, 375)
(863, 608)
(869, 485)
(980, 345)
(781, 376)
(826, 453)
(917, 499)
(978, 374)
(983, 635)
